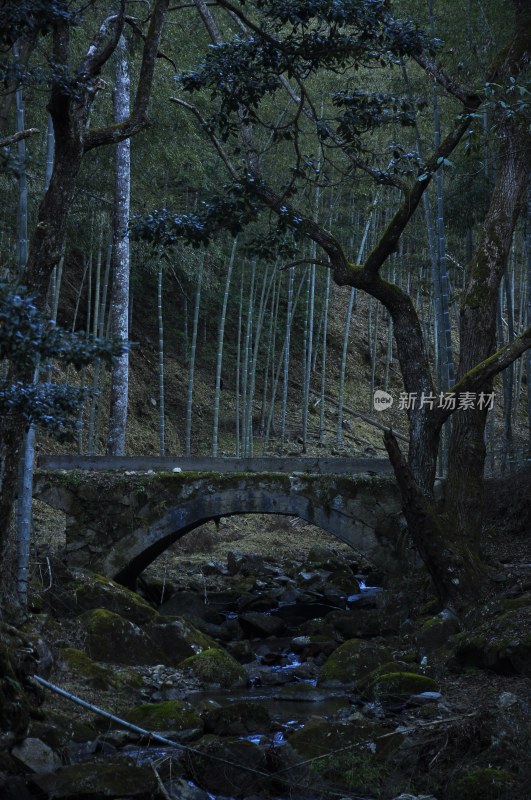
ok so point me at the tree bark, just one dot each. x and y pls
(121, 261)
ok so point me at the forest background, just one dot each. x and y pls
(386, 157)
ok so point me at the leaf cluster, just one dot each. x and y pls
(27, 341)
(297, 40)
(232, 211)
(21, 19)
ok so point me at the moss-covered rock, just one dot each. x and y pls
(172, 716)
(111, 638)
(484, 784)
(436, 631)
(96, 591)
(82, 665)
(501, 644)
(352, 660)
(352, 756)
(120, 778)
(238, 719)
(178, 639)
(215, 667)
(391, 687)
(58, 730)
(241, 775)
(513, 603)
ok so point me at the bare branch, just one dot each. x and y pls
(470, 100)
(16, 137)
(211, 135)
(319, 262)
(98, 54)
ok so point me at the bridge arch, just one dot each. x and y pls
(119, 526)
(138, 549)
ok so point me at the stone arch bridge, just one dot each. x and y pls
(121, 513)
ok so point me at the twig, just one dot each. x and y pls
(163, 790)
(16, 137)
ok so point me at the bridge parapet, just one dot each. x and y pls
(118, 522)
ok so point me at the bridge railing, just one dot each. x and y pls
(319, 466)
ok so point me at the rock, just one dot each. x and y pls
(255, 624)
(80, 664)
(178, 787)
(113, 639)
(350, 755)
(215, 667)
(36, 756)
(436, 631)
(484, 784)
(121, 778)
(238, 719)
(352, 661)
(237, 777)
(501, 644)
(364, 622)
(292, 770)
(96, 591)
(58, 730)
(397, 687)
(178, 639)
(176, 719)
(424, 698)
(241, 651)
(301, 693)
(248, 564)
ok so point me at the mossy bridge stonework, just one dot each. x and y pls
(121, 513)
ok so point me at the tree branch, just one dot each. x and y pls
(388, 242)
(97, 55)
(211, 135)
(300, 261)
(470, 100)
(16, 137)
(138, 119)
(476, 378)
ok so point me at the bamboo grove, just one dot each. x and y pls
(209, 229)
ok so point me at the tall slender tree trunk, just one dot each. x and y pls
(160, 321)
(191, 366)
(121, 261)
(219, 358)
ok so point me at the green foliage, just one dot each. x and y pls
(27, 341)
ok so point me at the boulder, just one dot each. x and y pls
(436, 631)
(239, 776)
(215, 667)
(254, 624)
(177, 639)
(174, 718)
(36, 756)
(484, 784)
(501, 644)
(79, 663)
(93, 779)
(238, 719)
(352, 661)
(116, 640)
(350, 755)
(96, 591)
(364, 622)
(398, 687)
